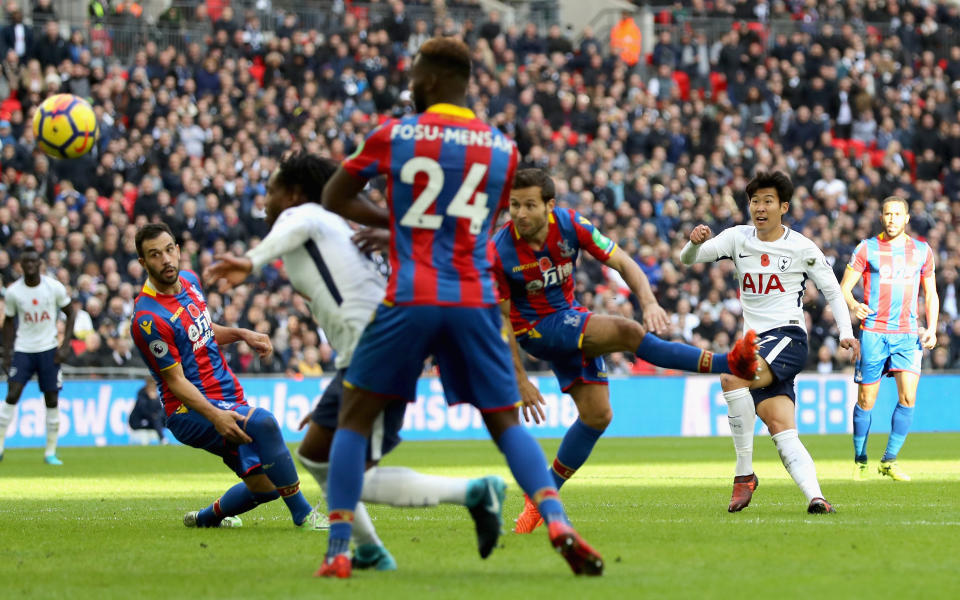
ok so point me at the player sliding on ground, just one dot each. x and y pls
(535, 255)
(344, 289)
(893, 266)
(201, 396)
(772, 263)
(448, 174)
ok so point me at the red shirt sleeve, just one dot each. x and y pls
(598, 245)
(372, 158)
(928, 266)
(858, 262)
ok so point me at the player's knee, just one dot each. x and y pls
(262, 421)
(599, 419)
(633, 335)
(866, 399)
(730, 382)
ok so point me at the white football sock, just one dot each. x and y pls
(317, 469)
(400, 486)
(53, 430)
(363, 530)
(742, 416)
(798, 463)
(6, 415)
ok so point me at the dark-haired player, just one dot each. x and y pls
(893, 266)
(30, 345)
(201, 396)
(535, 256)
(448, 175)
(773, 262)
(344, 288)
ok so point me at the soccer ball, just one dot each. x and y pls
(65, 126)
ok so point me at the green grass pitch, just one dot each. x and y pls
(109, 525)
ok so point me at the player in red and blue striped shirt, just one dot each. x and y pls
(893, 266)
(448, 174)
(535, 254)
(201, 396)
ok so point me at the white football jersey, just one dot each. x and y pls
(342, 285)
(773, 275)
(37, 309)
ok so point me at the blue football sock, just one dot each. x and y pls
(348, 455)
(235, 501)
(673, 355)
(861, 429)
(574, 451)
(278, 465)
(528, 465)
(899, 426)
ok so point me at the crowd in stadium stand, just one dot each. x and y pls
(856, 101)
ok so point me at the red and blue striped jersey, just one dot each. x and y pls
(539, 282)
(891, 281)
(448, 176)
(176, 328)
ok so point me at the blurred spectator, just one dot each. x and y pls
(147, 412)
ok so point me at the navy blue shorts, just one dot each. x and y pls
(25, 364)
(193, 429)
(558, 338)
(386, 429)
(785, 350)
(472, 355)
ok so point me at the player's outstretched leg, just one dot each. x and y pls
(528, 465)
(278, 466)
(741, 361)
(224, 510)
(402, 486)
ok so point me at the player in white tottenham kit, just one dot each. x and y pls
(344, 287)
(36, 301)
(773, 263)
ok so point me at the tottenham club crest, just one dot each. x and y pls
(784, 263)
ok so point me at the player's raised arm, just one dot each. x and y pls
(260, 342)
(703, 248)
(654, 317)
(342, 193)
(819, 270)
(342, 196)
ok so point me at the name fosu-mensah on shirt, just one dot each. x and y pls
(483, 138)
